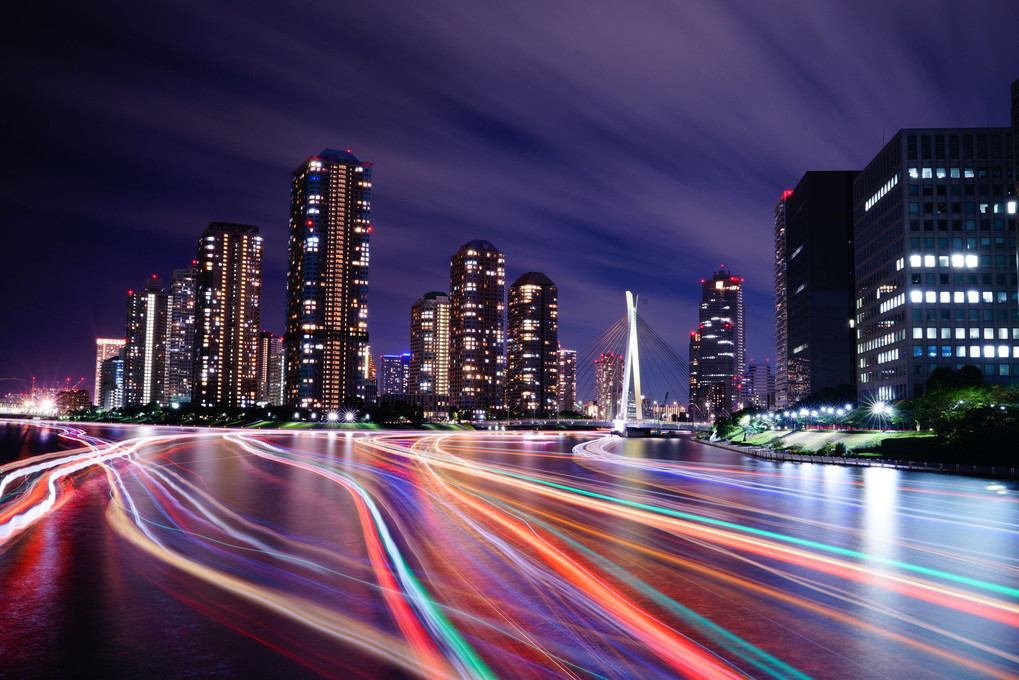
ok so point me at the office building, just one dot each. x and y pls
(781, 344)
(532, 347)
(818, 269)
(1015, 135)
(566, 387)
(759, 386)
(270, 369)
(1015, 140)
(111, 384)
(720, 345)
(327, 282)
(935, 215)
(395, 370)
(477, 329)
(180, 334)
(429, 345)
(608, 384)
(105, 349)
(227, 315)
(145, 345)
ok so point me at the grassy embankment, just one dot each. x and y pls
(865, 442)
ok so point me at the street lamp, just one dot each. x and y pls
(882, 410)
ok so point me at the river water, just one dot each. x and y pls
(174, 553)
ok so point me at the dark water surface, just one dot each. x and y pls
(209, 554)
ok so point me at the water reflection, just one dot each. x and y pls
(508, 555)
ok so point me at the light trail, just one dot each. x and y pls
(470, 555)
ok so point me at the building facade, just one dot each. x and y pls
(477, 329)
(106, 348)
(1015, 135)
(718, 348)
(270, 369)
(111, 384)
(760, 386)
(429, 345)
(818, 264)
(327, 282)
(566, 387)
(694, 362)
(180, 334)
(72, 400)
(228, 315)
(781, 343)
(532, 349)
(395, 373)
(145, 345)
(608, 384)
(936, 271)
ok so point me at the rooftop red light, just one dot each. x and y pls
(787, 193)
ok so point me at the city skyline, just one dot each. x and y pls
(451, 172)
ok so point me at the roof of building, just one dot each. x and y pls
(533, 278)
(338, 156)
(479, 244)
(230, 228)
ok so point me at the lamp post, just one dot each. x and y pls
(882, 410)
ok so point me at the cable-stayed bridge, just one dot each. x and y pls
(629, 373)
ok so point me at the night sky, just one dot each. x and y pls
(610, 145)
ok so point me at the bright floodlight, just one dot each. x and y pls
(333, 416)
(348, 416)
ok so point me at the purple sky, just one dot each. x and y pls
(610, 145)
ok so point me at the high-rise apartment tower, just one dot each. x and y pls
(145, 345)
(429, 345)
(180, 334)
(270, 369)
(477, 329)
(227, 315)
(532, 353)
(327, 281)
(608, 384)
(566, 388)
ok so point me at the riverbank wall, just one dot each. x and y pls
(782, 455)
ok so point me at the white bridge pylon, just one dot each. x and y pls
(632, 362)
